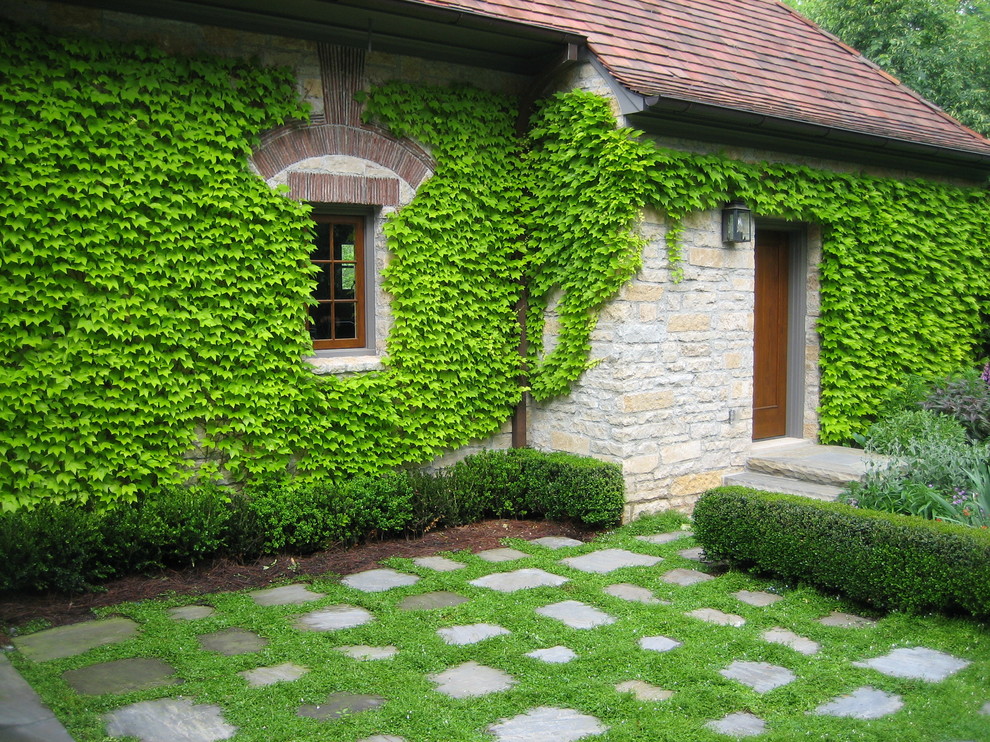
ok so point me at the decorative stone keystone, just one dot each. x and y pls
(68, 641)
(608, 560)
(863, 703)
(379, 580)
(685, 577)
(501, 555)
(917, 663)
(431, 601)
(285, 595)
(777, 635)
(470, 633)
(644, 691)
(232, 641)
(665, 538)
(757, 598)
(121, 676)
(738, 725)
(334, 618)
(547, 724)
(520, 579)
(710, 615)
(553, 655)
(576, 614)
(341, 704)
(846, 621)
(438, 563)
(262, 676)
(169, 720)
(471, 680)
(190, 612)
(760, 676)
(659, 643)
(556, 542)
(363, 652)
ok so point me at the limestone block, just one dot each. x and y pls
(647, 312)
(745, 284)
(640, 464)
(681, 452)
(733, 360)
(692, 484)
(646, 401)
(707, 257)
(735, 321)
(561, 441)
(689, 323)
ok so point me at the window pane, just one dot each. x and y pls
(344, 281)
(344, 321)
(320, 324)
(322, 289)
(343, 241)
(321, 242)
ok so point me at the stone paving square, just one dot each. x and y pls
(634, 594)
(685, 577)
(863, 703)
(471, 633)
(760, 676)
(778, 635)
(846, 621)
(334, 618)
(285, 595)
(644, 691)
(169, 720)
(659, 643)
(121, 676)
(379, 580)
(23, 716)
(547, 724)
(431, 601)
(503, 554)
(341, 704)
(263, 676)
(697, 554)
(665, 538)
(232, 641)
(738, 725)
(68, 641)
(383, 738)
(438, 563)
(917, 663)
(557, 542)
(710, 615)
(191, 612)
(608, 560)
(471, 680)
(576, 614)
(757, 598)
(558, 655)
(520, 579)
(365, 653)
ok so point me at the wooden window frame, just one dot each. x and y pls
(359, 223)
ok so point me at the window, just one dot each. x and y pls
(338, 319)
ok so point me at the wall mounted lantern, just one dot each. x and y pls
(737, 223)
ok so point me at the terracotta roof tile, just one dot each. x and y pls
(758, 56)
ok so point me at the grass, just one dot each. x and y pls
(607, 655)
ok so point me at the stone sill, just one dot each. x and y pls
(323, 365)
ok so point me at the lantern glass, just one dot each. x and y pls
(737, 223)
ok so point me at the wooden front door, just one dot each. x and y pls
(770, 335)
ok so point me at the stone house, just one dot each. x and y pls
(682, 365)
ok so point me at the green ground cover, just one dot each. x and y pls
(606, 656)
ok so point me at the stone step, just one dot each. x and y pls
(785, 485)
(830, 465)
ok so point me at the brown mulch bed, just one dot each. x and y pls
(225, 574)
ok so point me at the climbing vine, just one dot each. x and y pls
(153, 290)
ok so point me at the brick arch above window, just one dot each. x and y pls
(283, 147)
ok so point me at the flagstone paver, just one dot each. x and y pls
(863, 703)
(665, 538)
(738, 725)
(69, 641)
(685, 577)
(659, 643)
(520, 579)
(383, 738)
(379, 580)
(697, 554)
(547, 724)
(334, 618)
(778, 635)
(557, 542)
(471, 633)
(262, 676)
(710, 615)
(285, 595)
(846, 621)
(503, 554)
(471, 680)
(365, 653)
(232, 641)
(121, 676)
(431, 601)
(553, 655)
(23, 716)
(917, 663)
(340, 704)
(169, 720)
(760, 676)
(439, 563)
(634, 594)
(644, 691)
(608, 560)
(576, 614)
(986, 709)
(191, 612)
(757, 598)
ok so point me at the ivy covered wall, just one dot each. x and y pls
(153, 289)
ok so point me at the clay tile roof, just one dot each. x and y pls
(757, 56)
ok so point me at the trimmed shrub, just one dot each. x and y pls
(891, 561)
